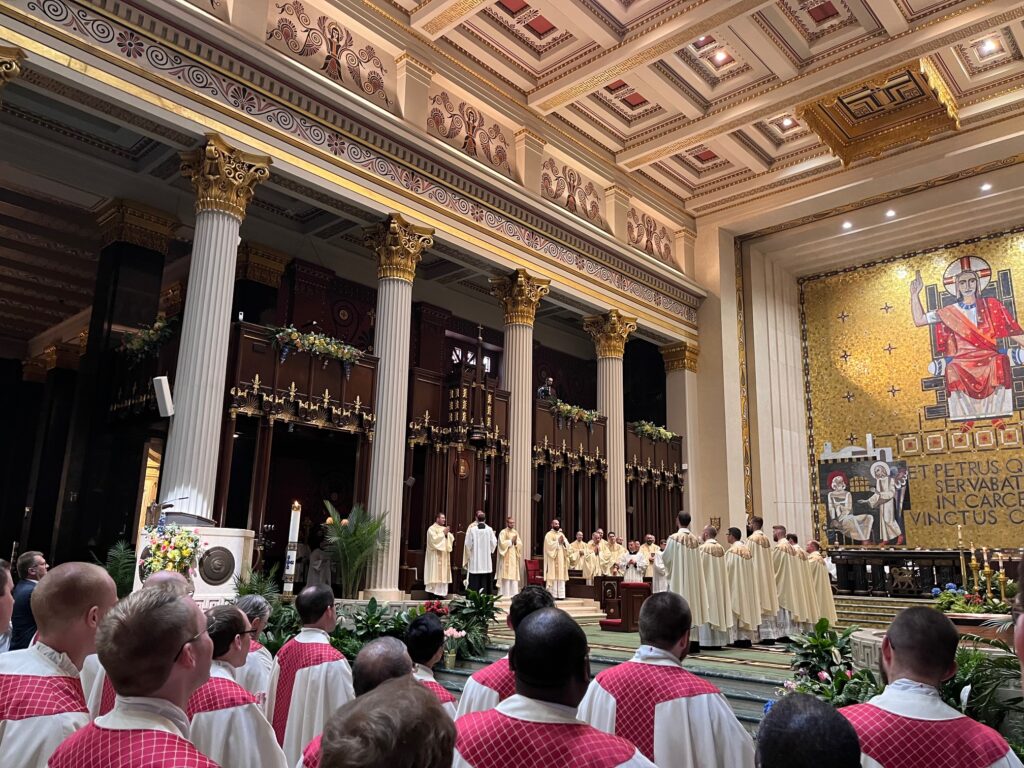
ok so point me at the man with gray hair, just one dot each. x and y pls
(254, 676)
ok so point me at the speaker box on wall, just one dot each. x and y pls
(162, 390)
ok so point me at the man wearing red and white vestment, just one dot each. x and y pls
(909, 725)
(222, 707)
(493, 684)
(310, 679)
(41, 698)
(671, 715)
(156, 652)
(538, 727)
(255, 675)
(425, 640)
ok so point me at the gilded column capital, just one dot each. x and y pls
(129, 222)
(519, 294)
(223, 177)
(609, 332)
(10, 63)
(260, 264)
(398, 246)
(681, 356)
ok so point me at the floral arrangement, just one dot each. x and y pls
(652, 431)
(138, 345)
(436, 607)
(453, 639)
(289, 339)
(952, 599)
(171, 548)
(565, 410)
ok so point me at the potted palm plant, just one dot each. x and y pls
(353, 543)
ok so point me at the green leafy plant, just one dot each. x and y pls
(473, 614)
(346, 641)
(983, 675)
(146, 342)
(955, 600)
(251, 582)
(284, 623)
(823, 666)
(353, 544)
(120, 564)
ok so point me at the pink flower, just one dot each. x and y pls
(849, 674)
(823, 676)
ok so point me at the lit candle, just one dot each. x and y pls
(293, 542)
(984, 554)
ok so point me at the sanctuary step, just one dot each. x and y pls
(583, 611)
(870, 612)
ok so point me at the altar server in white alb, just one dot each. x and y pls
(491, 685)
(538, 727)
(909, 724)
(437, 561)
(673, 717)
(633, 564)
(254, 675)
(228, 725)
(310, 678)
(41, 698)
(478, 555)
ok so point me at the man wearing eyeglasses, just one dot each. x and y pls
(222, 707)
(156, 652)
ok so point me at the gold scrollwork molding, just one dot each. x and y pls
(260, 264)
(10, 63)
(609, 332)
(126, 221)
(681, 356)
(519, 294)
(398, 246)
(224, 178)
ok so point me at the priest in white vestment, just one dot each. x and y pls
(673, 717)
(760, 547)
(684, 571)
(538, 726)
(510, 559)
(41, 696)
(556, 561)
(577, 552)
(611, 555)
(254, 675)
(790, 586)
(649, 547)
(633, 564)
(310, 678)
(714, 633)
(228, 724)
(437, 561)
(478, 555)
(821, 584)
(591, 562)
(739, 565)
(424, 639)
(155, 651)
(909, 724)
(659, 579)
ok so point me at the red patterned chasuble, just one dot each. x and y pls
(25, 696)
(95, 747)
(216, 694)
(498, 677)
(293, 657)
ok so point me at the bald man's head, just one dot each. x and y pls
(67, 595)
(550, 657)
(382, 659)
(171, 581)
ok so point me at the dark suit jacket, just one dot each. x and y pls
(23, 623)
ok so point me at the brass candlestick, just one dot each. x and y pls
(974, 570)
(988, 573)
(1002, 579)
(960, 547)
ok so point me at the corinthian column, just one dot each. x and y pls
(519, 294)
(398, 246)
(224, 179)
(609, 332)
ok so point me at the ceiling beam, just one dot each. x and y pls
(80, 299)
(44, 304)
(889, 15)
(754, 39)
(434, 18)
(574, 16)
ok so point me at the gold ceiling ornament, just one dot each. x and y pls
(33, 370)
(398, 246)
(912, 103)
(126, 221)
(10, 63)
(519, 294)
(680, 356)
(609, 332)
(224, 178)
(261, 264)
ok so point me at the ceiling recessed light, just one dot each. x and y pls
(986, 187)
(890, 213)
(787, 121)
(702, 38)
(720, 56)
(847, 225)
(989, 45)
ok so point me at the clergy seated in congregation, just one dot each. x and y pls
(685, 573)
(425, 640)
(156, 653)
(910, 718)
(400, 724)
(310, 678)
(802, 731)
(254, 675)
(538, 726)
(495, 683)
(99, 693)
(671, 715)
(228, 725)
(380, 660)
(41, 699)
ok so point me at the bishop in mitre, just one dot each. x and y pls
(633, 565)
(437, 565)
(746, 613)
(478, 554)
(556, 561)
(760, 547)
(683, 570)
(611, 556)
(821, 584)
(714, 633)
(510, 559)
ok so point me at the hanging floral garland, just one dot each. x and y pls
(146, 342)
(652, 431)
(289, 339)
(565, 410)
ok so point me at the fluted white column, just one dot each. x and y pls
(224, 179)
(681, 404)
(610, 332)
(398, 247)
(520, 293)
